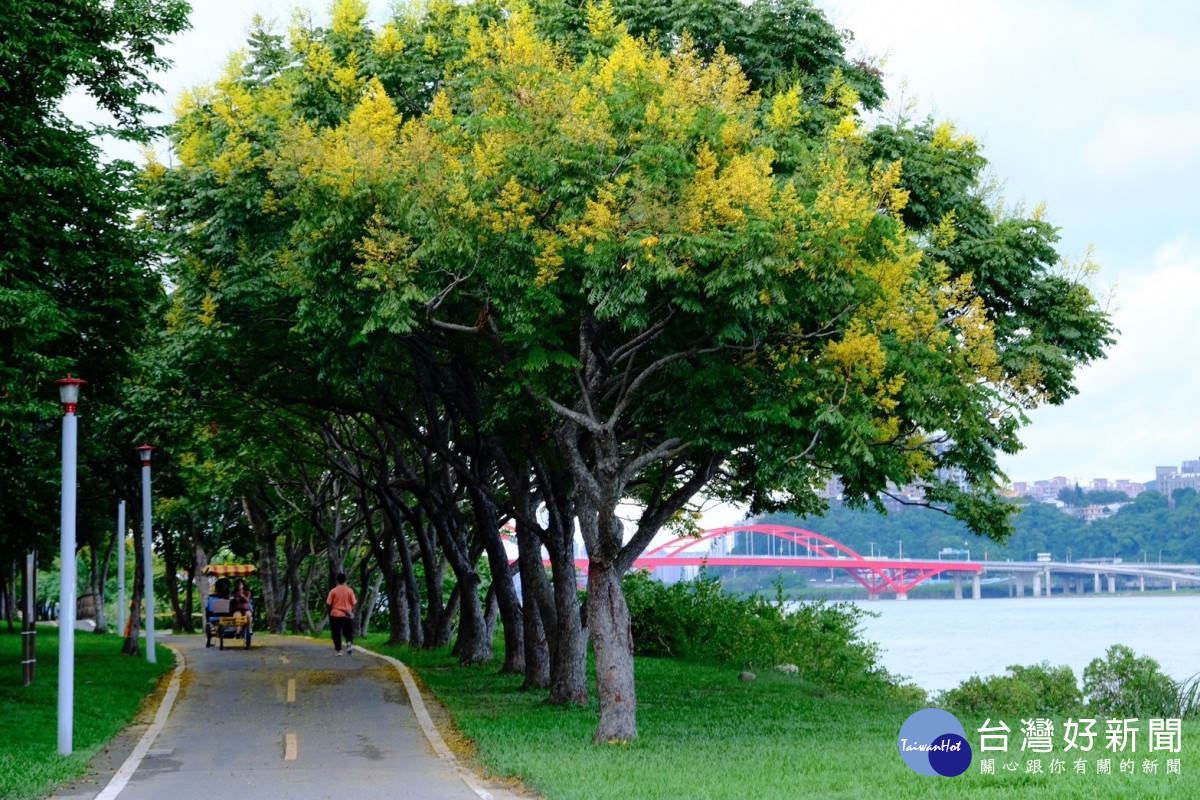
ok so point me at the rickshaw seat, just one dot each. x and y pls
(218, 607)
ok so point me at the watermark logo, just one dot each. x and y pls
(933, 742)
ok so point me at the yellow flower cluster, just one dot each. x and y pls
(661, 164)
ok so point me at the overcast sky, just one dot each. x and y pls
(1091, 107)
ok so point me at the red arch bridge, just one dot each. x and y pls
(798, 548)
(795, 547)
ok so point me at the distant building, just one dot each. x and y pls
(1050, 489)
(1093, 513)
(832, 491)
(897, 498)
(1044, 490)
(1168, 479)
(1130, 488)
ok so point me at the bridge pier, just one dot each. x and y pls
(1096, 588)
(1172, 584)
(1037, 584)
(1078, 585)
(1019, 581)
(1141, 583)
(977, 592)
(1048, 592)
(1112, 584)
(957, 586)
(873, 595)
(901, 595)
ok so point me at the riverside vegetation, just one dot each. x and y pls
(1120, 685)
(829, 731)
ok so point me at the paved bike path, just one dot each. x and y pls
(288, 718)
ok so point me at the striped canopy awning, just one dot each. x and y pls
(229, 570)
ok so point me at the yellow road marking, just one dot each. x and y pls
(289, 747)
(284, 659)
(291, 690)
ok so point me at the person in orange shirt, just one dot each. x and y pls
(341, 602)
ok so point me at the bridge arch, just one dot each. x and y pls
(809, 550)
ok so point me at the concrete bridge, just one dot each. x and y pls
(1072, 575)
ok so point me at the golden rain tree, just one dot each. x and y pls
(703, 285)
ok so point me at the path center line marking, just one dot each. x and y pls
(291, 692)
(289, 747)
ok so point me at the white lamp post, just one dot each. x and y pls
(121, 568)
(68, 393)
(147, 553)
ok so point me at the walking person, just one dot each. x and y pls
(341, 602)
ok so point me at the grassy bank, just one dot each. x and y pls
(109, 687)
(704, 734)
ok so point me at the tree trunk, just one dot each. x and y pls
(436, 625)
(131, 647)
(171, 574)
(370, 600)
(491, 614)
(535, 593)
(189, 605)
(293, 556)
(505, 594)
(568, 655)
(9, 596)
(472, 646)
(441, 635)
(200, 558)
(268, 564)
(537, 648)
(389, 549)
(101, 584)
(612, 641)
(397, 595)
(414, 634)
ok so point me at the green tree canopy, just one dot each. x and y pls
(75, 278)
(695, 268)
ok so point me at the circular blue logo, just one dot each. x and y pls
(933, 742)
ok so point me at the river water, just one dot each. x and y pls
(937, 644)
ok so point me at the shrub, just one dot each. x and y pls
(1038, 688)
(996, 694)
(1056, 688)
(1188, 697)
(698, 620)
(1123, 684)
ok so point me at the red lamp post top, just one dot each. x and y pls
(68, 392)
(144, 451)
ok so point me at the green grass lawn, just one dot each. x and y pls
(109, 687)
(704, 734)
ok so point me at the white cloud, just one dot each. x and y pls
(1131, 145)
(1137, 408)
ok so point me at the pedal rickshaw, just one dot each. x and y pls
(220, 621)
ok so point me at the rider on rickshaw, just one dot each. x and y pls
(228, 613)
